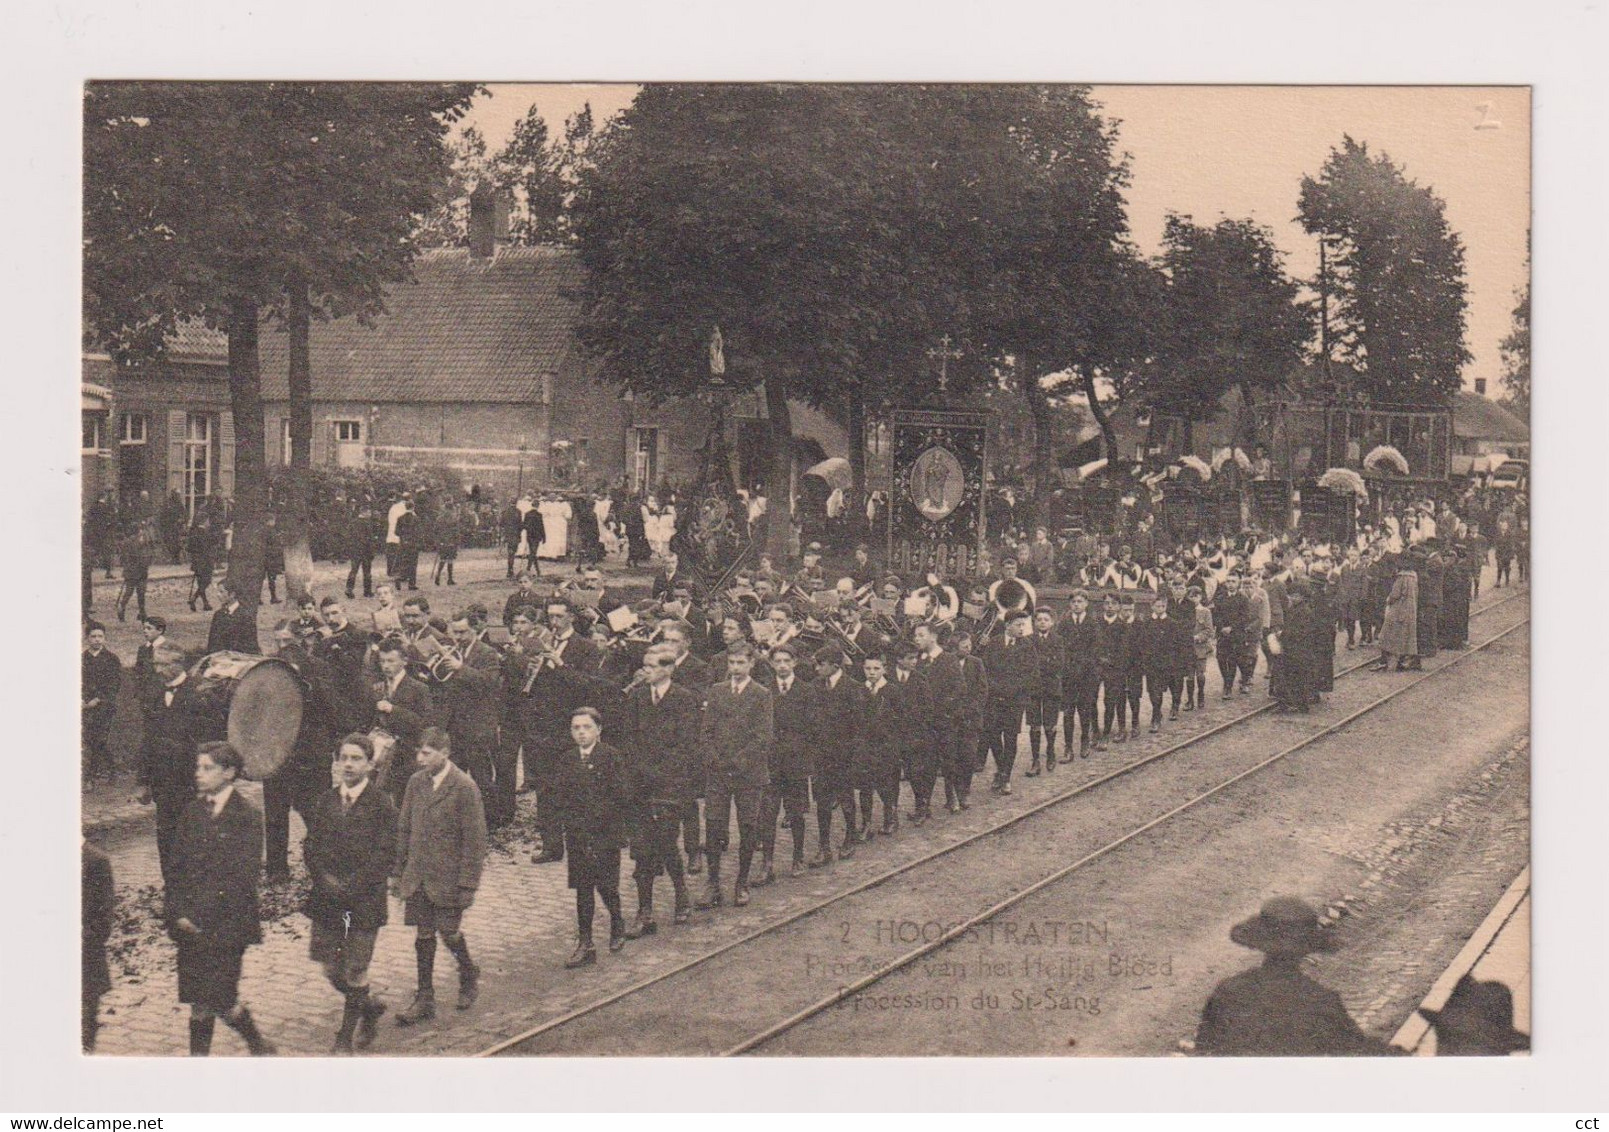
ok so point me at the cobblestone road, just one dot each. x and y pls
(520, 928)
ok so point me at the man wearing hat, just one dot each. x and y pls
(1476, 1021)
(1275, 1010)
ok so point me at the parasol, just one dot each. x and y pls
(1385, 454)
(834, 469)
(1344, 479)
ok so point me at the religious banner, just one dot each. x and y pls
(936, 516)
(1270, 504)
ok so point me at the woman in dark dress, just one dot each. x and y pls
(637, 548)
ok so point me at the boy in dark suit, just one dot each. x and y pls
(879, 759)
(737, 736)
(592, 790)
(794, 711)
(102, 676)
(842, 708)
(211, 903)
(351, 839)
(660, 732)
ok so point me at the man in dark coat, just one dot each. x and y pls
(1112, 659)
(100, 526)
(794, 719)
(970, 750)
(351, 839)
(441, 849)
(365, 535)
(211, 903)
(1275, 1010)
(659, 729)
(877, 761)
(1013, 671)
(592, 790)
(535, 535)
(1238, 630)
(933, 714)
(510, 524)
(102, 674)
(1431, 569)
(172, 521)
(842, 706)
(204, 546)
(234, 627)
(1157, 658)
(1457, 587)
(1079, 638)
(736, 737)
(99, 906)
(410, 541)
(176, 724)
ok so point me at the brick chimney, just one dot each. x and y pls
(488, 221)
(1480, 387)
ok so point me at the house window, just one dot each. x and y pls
(132, 428)
(645, 459)
(197, 459)
(94, 434)
(348, 432)
(285, 441)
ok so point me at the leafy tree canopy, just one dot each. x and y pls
(1399, 271)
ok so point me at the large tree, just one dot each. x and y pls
(838, 234)
(1516, 352)
(1232, 317)
(234, 202)
(1397, 271)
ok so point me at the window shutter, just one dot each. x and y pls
(226, 453)
(176, 450)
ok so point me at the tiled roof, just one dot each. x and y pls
(195, 339)
(467, 331)
(1478, 418)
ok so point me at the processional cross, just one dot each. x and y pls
(943, 353)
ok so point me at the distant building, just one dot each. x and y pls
(473, 367)
(1485, 433)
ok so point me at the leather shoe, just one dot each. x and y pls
(367, 1022)
(740, 895)
(767, 876)
(585, 955)
(683, 913)
(822, 859)
(468, 986)
(546, 858)
(798, 868)
(421, 1009)
(846, 850)
(711, 897)
(617, 940)
(643, 926)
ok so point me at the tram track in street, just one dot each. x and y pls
(560, 1034)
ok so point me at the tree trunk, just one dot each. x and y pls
(292, 504)
(1248, 417)
(1101, 419)
(857, 460)
(251, 473)
(1046, 472)
(779, 484)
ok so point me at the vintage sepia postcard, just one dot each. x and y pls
(805, 569)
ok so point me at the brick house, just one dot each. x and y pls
(474, 366)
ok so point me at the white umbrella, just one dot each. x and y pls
(835, 470)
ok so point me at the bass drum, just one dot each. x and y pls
(255, 702)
